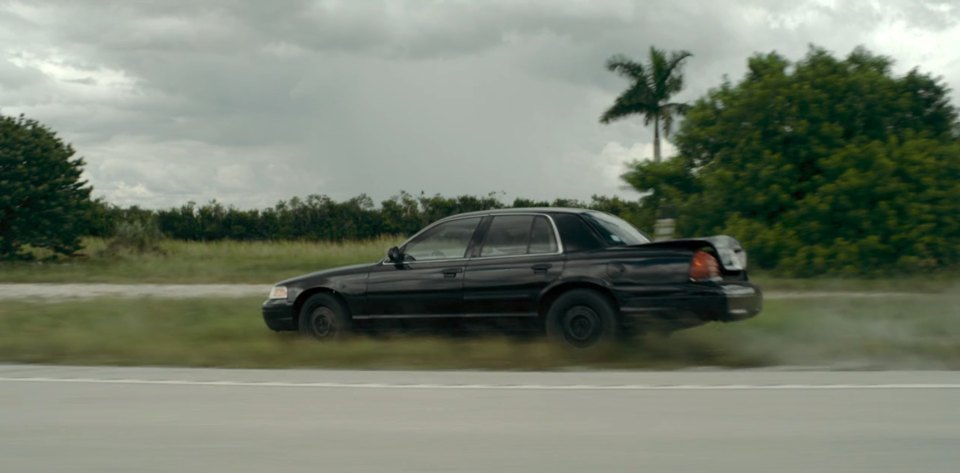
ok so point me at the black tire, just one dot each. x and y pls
(581, 318)
(324, 317)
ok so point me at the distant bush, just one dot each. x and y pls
(135, 236)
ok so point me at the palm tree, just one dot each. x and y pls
(649, 95)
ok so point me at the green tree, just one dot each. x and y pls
(825, 165)
(44, 203)
(652, 86)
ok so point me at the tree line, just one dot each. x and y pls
(318, 217)
(820, 165)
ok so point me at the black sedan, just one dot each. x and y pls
(583, 276)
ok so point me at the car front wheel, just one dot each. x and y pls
(581, 318)
(324, 317)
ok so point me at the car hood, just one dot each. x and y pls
(328, 273)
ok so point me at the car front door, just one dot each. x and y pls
(429, 282)
(519, 256)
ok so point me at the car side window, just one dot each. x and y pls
(542, 239)
(447, 240)
(511, 235)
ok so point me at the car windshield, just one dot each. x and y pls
(615, 231)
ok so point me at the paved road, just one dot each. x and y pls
(56, 291)
(56, 419)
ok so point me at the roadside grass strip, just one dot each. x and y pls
(909, 332)
(187, 262)
(266, 262)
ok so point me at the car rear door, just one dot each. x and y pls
(519, 256)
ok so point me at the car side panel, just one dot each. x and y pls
(509, 286)
(652, 287)
(414, 289)
(353, 289)
(636, 279)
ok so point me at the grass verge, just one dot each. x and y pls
(938, 282)
(184, 262)
(908, 332)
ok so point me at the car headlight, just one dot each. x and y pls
(278, 292)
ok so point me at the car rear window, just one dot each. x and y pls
(614, 230)
(575, 234)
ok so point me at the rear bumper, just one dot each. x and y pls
(694, 303)
(742, 302)
(278, 315)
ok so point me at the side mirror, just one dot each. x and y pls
(395, 255)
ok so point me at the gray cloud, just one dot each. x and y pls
(250, 102)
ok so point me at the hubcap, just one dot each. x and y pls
(322, 320)
(581, 325)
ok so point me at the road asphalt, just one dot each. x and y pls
(109, 419)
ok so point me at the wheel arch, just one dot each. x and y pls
(308, 293)
(553, 292)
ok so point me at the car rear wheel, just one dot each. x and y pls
(324, 317)
(581, 318)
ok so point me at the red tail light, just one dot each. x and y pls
(704, 267)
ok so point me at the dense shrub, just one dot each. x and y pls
(821, 166)
(137, 236)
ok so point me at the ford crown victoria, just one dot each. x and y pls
(583, 276)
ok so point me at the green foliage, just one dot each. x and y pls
(320, 218)
(135, 236)
(43, 201)
(667, 182)
(822, 166)
(650, 90)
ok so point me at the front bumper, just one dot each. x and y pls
(278, 315)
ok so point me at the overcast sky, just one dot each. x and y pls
(250, 102)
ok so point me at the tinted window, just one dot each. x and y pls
(575, 233)
(511, 235)
(508, 235)
(614, 230)
(542, 239)
(444, 241)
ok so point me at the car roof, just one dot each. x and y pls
(522, 210)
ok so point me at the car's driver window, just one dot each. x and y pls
(444, 241)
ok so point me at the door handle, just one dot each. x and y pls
(451, 272)
(541, 267)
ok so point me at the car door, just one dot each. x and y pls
(429, 282)
(519, 256)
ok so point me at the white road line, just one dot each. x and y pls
(784, 295)
(505, 387)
